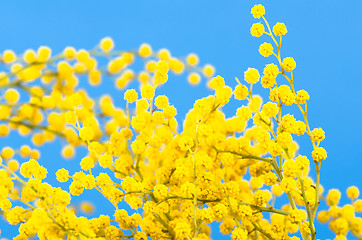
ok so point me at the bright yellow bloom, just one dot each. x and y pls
(87, 163)
(106, 44)
(86, 133)
(192, 59)
(257, 29)
(258, 11)
(8, 56)
(194, 78)
(318, 135)
(239, 234)
(241, 92)
(333, 197)
(147, 91)
(208, 70)
(145, 50)
(216, 82)
(319, 154)
(266, 49)
(279, 29)
(161, 102)
(302, 97)
(164, 54)
(12, 96)
(251, 75)
(130, 95)
(288, 64)
(353, 192)
(185, 143)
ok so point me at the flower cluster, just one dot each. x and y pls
(216, 168)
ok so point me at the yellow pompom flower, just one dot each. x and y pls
(106, 44)
(185, 143)
(86, 207)
(255, 103)
(333, 197)
(358, 206)
(192, 59)
(266, 49)
(62, 175)
(323, 216)
(69, 53)
(261, 197)
(251, 75)
(130, 95)
(4, 130)
(7, 152)
(64, 69)
(106, 160)
(12, 96)
(161, 102)
(277, 190)
(302, 96)
(160, 78)
(160, 191)
(257, 29)
(151, 66)
(13, 165)
(44, 53)
(94, 77)
(318, 135)
(288, 185)
(35, 154)
(319, 154)
(194, 78)
(353, 192)
(296, 216)
(216, 82)
(68, 152)
(162, 67)
(86, 133)
(271, 70)
(288, 64)
(208, 70)
(144, 50)
(143, 77)
(258, 11)
(8, 56)
(239, 234)
(87, 163)
(138, 146)
(147, 91)
(25, 151)
(29, 56)
(270, 109)
(82, 55)
(164, 54)
(241, 92)
(279, 29)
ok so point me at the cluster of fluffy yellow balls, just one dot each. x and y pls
(231, 170)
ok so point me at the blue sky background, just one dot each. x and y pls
(324, 37)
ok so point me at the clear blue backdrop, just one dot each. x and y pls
(324, 37)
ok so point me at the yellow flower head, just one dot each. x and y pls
(319, 154)
(266, 49)
(106, 44)
(288, 64)
(258, 11)
(257, 29)
(279, 29)
(251, 75)
(130, 95)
